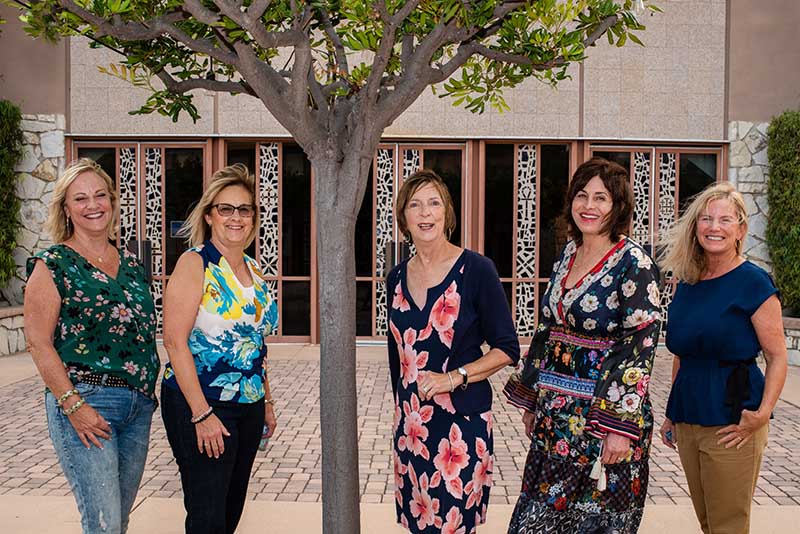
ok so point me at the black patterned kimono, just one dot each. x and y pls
(589, 375)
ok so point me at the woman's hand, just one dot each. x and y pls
(529, 420)
(210, 434)
(270, 420)
(615, 448)
(431, 384)
(89, 425)
(668, 434)
(739, 434)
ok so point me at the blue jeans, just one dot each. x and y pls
(104, 481)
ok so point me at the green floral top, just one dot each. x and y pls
(106, 325)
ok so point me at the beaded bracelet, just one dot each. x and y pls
(269, 401)
(65, 396)
(74, 408)
(202, 417)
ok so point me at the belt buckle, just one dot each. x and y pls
(103, 379)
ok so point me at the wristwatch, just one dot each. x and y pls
(463, 373)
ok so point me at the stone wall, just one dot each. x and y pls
(749, 171)
(792, 329)
(12, 337)
(42, 163)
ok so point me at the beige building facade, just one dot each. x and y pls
(689, 108)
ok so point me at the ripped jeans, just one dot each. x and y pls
(104, 481)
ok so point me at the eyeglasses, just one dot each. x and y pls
(226, 210)
(724, 221)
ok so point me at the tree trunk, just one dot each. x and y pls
(337, 303)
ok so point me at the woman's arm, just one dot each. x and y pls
(269, 409)
(667, 430)
(497, 328)
(768, 324)
(41, 311)
(181, 300)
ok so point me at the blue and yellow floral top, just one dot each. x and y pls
(228, 339)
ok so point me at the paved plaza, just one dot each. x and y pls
(290, 469)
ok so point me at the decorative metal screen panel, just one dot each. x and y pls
(412, 162)
(642, 197)
(268, 231)
(154, 225)
(526, 308)
(525, 253)
(667, 175)
(526, 211)
(128, 210)
(384, 225)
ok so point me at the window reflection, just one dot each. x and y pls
(499, 208)
(363, 238)
(697, 171)
(183, 186)
(296, 212)
(552, 193)
(296, 308)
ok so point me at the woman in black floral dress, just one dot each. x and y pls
(584, 383)
(446, 302)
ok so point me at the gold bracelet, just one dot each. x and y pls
(74, 408)
(269, 401)
(65, 396)
(452, 385)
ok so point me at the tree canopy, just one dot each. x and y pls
(335, 74)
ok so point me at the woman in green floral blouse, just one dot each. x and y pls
(90, 326)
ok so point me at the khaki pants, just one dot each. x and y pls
(721, 481)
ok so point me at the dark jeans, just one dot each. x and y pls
(214, 490)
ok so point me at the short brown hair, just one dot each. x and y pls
(414, 183)
(615, 179)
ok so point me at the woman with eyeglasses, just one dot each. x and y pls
(725, 311)
(215, 396)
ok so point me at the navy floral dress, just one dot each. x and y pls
(586, 375)
(443, 447)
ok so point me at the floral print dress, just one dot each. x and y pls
(442, 458)
(586, 375)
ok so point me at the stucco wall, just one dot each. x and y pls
(764, 59)
(671, 89)
(32, 72)
(100, 103)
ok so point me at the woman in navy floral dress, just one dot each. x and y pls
(584, 383)
(445, 302)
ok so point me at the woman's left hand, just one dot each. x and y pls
(270, 420)
(431, 384)
(615, 448)
(738, 435)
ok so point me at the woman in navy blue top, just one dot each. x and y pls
(445, 303)
(725, 311)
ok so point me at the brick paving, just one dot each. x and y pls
(290, 470)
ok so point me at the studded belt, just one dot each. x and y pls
(102, 379)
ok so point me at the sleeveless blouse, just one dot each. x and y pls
(228, 339)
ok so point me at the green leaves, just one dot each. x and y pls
(534, 38)
(11, 152)
(783, 192)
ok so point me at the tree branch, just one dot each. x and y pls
(184, 86)
(264, 38)
(338, 46)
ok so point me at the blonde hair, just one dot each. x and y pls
(682, 254)
(58, 224)
(196, 230)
